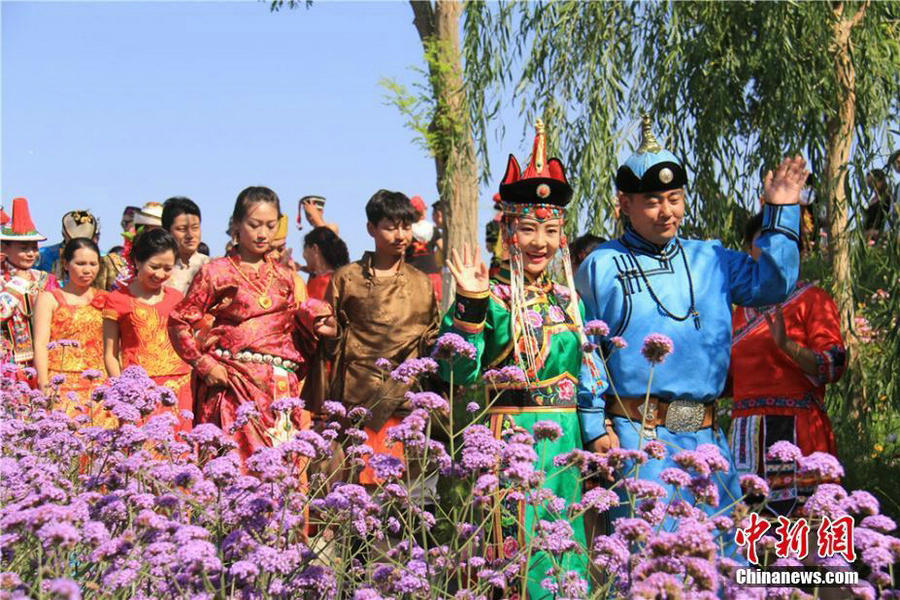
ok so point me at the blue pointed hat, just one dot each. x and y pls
(650, 168)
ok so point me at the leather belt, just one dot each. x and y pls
(678, 416)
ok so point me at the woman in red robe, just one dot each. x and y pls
(782, 358)
(256, 350)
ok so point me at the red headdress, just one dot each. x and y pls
(542, 191)
(20, 228)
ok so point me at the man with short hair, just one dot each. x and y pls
(181, 218)
(651, 281)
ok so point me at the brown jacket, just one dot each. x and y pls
(393, 317)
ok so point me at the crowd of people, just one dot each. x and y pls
(568, 339)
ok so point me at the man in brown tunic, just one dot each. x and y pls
(384, 308)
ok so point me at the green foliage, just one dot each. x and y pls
(734, 86)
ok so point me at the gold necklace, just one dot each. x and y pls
(264, 300)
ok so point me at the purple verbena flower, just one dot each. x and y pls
(333, 409)
(820, 465)
(754, 485)
(288, 405)
(451, 346)
(547, 430)
(656, 348)
(596, 327)
(412, 368)
(784, 451)
(618, 342)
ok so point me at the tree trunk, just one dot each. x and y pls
(840, 139)
(452, 142)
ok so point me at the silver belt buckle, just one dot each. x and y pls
(648, 425)
(685, 416)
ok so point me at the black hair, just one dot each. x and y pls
(751, 228)
(393, 206)
(583, 244)
(754, 225)
(202, 248)
(175, 207)
(332, 247)
(151, 242)
(877, 175)
(68, 251)
(117, 250)
(249, 197)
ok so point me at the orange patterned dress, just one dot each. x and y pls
(144, 341)
(83, 324)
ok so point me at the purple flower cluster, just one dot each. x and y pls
(656, 348)
(596, 327)
(451, 346)
(141, 512)
(412, 368)
(507, 374)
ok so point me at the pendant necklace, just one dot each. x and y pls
(264, 300)
(692, 310)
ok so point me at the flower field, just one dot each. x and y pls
(139, 512)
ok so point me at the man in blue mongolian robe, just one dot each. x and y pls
(652, 281)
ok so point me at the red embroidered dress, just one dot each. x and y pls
(774, 399)
(143, 341)
(256, 335)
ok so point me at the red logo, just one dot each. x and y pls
(749, 536)
(836, 537)
(792, 538)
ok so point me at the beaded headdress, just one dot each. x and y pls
(542, 193)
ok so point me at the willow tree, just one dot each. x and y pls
(733, 86)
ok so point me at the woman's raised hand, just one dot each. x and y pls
(469, 271)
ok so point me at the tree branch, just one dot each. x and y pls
(423, 13)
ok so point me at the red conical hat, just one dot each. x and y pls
(20, 228)
(4, 218)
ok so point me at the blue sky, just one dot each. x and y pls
(107, 104)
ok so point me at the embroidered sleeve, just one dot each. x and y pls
(470, 311)
(185, 316)
(823, 335)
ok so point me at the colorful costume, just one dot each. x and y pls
(774, 399)
(143, 341)
(19, 292)
(536, 325)
(393, 317)
(256, 335)
(83, 324)
(684, 290)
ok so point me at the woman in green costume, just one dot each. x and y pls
(520, 317)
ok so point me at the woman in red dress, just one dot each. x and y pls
(782, 357)
(135, 317)
(256, 350)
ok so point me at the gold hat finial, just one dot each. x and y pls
(540, 151)
(648, 140)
